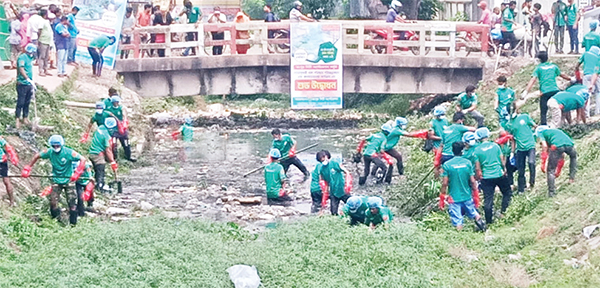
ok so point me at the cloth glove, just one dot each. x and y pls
(442, 203)
(84, 137)
(78, 171)
(292, 152)
(361, 145)
(120, 127)
(26, 171)
(387, 158)
(437, 158)
(348, 184)
(46, 191)
(12, 154)
(89, 191)
(504, 139)
(544, 159)
(419, 134)
(559, 166)
(475, 195)
(281, 192)
(114, 166)
(175, 135)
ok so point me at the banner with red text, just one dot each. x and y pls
(316, 65)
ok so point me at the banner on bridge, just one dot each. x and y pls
(316, 65)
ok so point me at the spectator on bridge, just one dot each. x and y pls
(526, 11)
(508, 22)
(127, 31)
(559, 10)
(15, 40)
(144, 18)
(572, 27)
(537, 22)
(296, 15)
(496, 17)
(486, 14)
(217, 17)
(466, 103)
(159, 19)
(193, 15)
(241, 17)
(73, 31)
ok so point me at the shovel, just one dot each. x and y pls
(116, 185)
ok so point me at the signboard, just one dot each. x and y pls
(97, 17)
(316, 65)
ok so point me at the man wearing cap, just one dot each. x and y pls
(555, 143)
(122, 133)
(489, 167)
(98, 118)
(436, 129)
(486, 14)
(521, 127)
(101, 150)
(95, 48)
(25, 85)
(356, 208)
(562, 103)
(397, 130)
(592, 38)
(466, 103)
(377, 213)
(276, 181)
(451, 134)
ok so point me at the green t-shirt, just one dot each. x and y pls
(438, 126)
(117, 111)
(362, 209)
(26, 62)
(62, 163)
(451, 134)
(314, 180)
(393, 138)
(560, 9)
(99, 118)
(556, 137)
(508, 16)
(570, 101)
(465, 101)
(88, 173)
(590, 63)
(333, 174)
(3, 154)
(375, 144)
(506, 96)
(284, 145)
(193, 14)
(469, 154)
(100, 141)
(489, 154)
(459, 171)
(521, 127)
(274, 177)
(590, 40)
(571, 14)
(384, 216)
(546, 74)
(187, 133)
(100, 42)
(47, 35)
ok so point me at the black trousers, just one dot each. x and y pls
(124, 139)
(521, 157)
(553, 157)
(97, 61)
(544, 106)
(394, 153)
(356, 220)
(191, 36)
(378, 165)
(24, 93)
(283, 201)
(510, 171)
(335, 202)
(509, 37)
(293, 161)
(489, 186)
(316, 201)
(218, 50)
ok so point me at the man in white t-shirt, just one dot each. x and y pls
(217, 17)
(296, 15)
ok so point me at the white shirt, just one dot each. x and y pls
(15, 36)
(128, 24)
(34, 24)
(295, 15)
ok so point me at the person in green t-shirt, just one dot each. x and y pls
(98, 118)
(119, 112)
(336, 178)
(470, 142)
(287, 146)
(25, 85)
(572, 26)
(590, 60)
(490, 170)
(276, 181)
(562, 103)
(95, 48)
(317, 187)
(559, 10)
(436, 129)
(460, 186)
(504, 99)
(377, 213)
(186, 131)
(82, 184)
(451, 134)
(193, 16)
(101, 150)
(504, 141)
(466, 103)
(356, 208)
(371, 148)
(61, 159)
(546, 73)
(508, 21)
(592, 38)
(393, 131)
(7, 152)
(557, 143)
(523, 147)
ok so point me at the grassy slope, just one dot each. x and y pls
(324, 252)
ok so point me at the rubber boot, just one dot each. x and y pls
(388, 175)
(55, 213)
(362, 180)
(127, 150)
(100, 171)
(400, 165)
(73, 217)
(80, 207)
(481, 225)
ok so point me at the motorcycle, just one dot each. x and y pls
(398, 35)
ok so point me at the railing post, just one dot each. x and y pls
(136, 44)
(422, 39)
(233, 45)
(390, 39)
(264, 37)
(452, 40)
(485, 36)
(361, 38)
(200, 41)
(168, 52)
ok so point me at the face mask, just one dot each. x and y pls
(471, 143)
(501, 86)
(325, 162)
(442, 117)
(99, 111)
(57, 149)
(403, 127)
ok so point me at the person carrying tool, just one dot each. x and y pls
(490, 170)
(287, 147)
(25, 85)
(377, 213)
(84, 184)
(356, 208)
(101, 150)
(7, 152)
(436, 129)
(373, 146)
(98, 118)
(61, 159)
(523, 146)
(276, 181)
(459, 189)
(318, 194)
(337, 178)
(504, 98)
(392, 137)
(466, 103)
(186, 131)
(122, 133)
(451, 134)
(562, 103)
(558, 143)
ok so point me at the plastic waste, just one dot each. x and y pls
(244, 276)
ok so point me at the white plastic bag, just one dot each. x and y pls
(244, 276)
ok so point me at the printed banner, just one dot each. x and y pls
(316, 65)
(97, 17)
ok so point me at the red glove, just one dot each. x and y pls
(578, 76)
(114, 166)
(325, 198)
(26, 171)
(121, 127)
(552, 147)
(437, 158)
(361, 145)
(84, 137)
(387, 158)
(475, 195)
(442, 201)
(419, 134)
(281, 192)
(175, 135)
(89, 191)
(348, 184)
(504, 139)
(292, 152)
(78, 171)
(12, 154)
(449, 199)
(559, 166)
(544, 159)
(324, 186)
(46, 191)
(126, 124)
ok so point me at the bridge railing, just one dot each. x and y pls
(359, 37)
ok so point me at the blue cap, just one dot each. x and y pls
(115, 98)
(469, 138)
(584, 92)
(110, 122)
(482, 132)
(439, 111)
(401, 121)
(100, 105)
(375, 202)
(594, 24)
(354, 203)
(56, 140)
(188, 120)
(274, 153)
(540, 129)
(595, 50)
(31, 49)
(387, 127)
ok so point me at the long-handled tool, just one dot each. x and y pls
(48, 176)
(282, 158)
(116, 185)
(36, 120)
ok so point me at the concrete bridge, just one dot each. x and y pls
(443, 57)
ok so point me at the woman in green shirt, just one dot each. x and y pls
(95, 48)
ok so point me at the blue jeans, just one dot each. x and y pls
(61, 59)
(573, 38)
(455, 211)
(72, 50)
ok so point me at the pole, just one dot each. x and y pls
(283, 158)
(47, 176)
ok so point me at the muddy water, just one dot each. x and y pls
(204, 178)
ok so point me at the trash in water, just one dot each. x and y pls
(244, 276)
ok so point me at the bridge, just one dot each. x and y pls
(440, 57)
